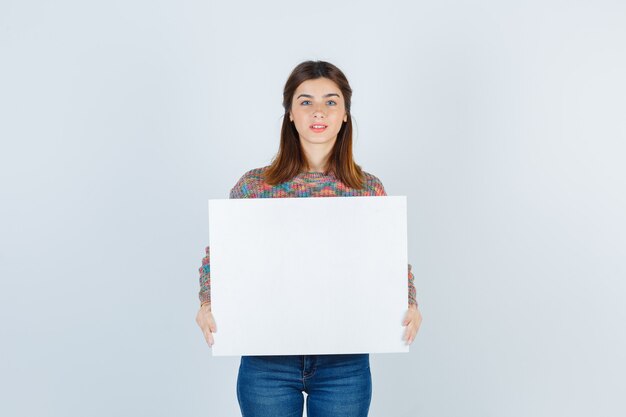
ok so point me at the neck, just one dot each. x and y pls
(317, 155)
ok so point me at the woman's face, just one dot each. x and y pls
(318, 111)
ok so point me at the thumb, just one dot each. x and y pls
(405, 321)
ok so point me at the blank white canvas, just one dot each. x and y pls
(293, 276)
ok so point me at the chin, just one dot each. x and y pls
(321, 139)
(318, 140)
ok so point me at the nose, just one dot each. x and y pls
(318, 112)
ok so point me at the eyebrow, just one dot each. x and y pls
(325, 95)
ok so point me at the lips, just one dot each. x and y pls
(318, 127)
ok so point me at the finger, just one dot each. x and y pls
(411, 335)
(212, 325)
(418, 323)
(406, 334)
(209, 338)
(407, 318)
(414, 330)
(407, 337)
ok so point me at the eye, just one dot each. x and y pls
(331, 102)
(305, 102)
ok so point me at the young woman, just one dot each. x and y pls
(314, 160)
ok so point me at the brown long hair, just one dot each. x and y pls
(290, 160)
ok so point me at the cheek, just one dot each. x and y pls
(300, 122)
(337, 111)
(298, 115)
(338, 115)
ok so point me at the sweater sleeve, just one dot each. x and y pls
(205, 279)
(412, 292)
(238, 191)
(377, 189)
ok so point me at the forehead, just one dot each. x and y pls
(317, 87)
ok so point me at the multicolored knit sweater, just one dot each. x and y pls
(306, 184)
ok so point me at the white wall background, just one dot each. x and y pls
(503, 123)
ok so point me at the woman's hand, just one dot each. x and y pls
(412, 321)
(205, 320)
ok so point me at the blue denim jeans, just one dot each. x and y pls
(336, 385)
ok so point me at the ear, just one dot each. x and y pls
(290, 117)
(345, 118)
